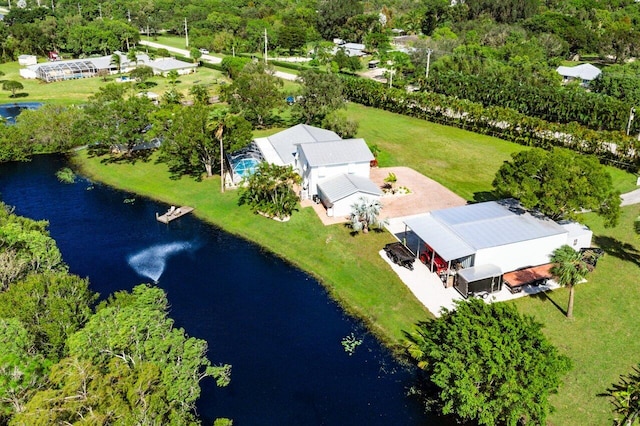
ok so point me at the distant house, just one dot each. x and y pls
(353, 49)
(585, 73)
(25, 60)
(163, 66)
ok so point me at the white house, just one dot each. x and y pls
(499, 233)
(163, 66)
(318, 161)
(340, 192)
(281, 148)
(583, 72)
(25, 60)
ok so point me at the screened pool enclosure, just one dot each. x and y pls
(67, 70)
(243, 163)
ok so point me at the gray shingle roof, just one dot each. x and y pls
(344, 151)
(461, 231)
(342, 186)
(285, 141)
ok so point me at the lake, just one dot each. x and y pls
(10, 111)
(272, 322)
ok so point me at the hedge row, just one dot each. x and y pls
(504, 123)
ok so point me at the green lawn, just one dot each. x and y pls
(77, 91)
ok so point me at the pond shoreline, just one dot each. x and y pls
(394, 345)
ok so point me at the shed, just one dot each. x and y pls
(339, 193)
(478, 280)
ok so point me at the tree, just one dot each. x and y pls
(200, 94)
(365, 214)
(132, 56)
(130, 365)
(625, 397)
(51, 306)
(292, 37)
(559, 183)
(488, 364)
(270, 190)
(12, 86)
(116, 60)
(320, 94)
(569, 269)
(256, 93)
(195, 54)
(338, 122)
(333, 15)
(142, 73)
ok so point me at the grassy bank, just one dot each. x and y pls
(349, 267)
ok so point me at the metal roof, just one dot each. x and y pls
(342, 186)
(480, 272)
(343, 151)
(285, 141)
(583, 71)
(460, 231)
(170, 64)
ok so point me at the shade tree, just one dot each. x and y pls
(320, 94)
(487, 363)
(559, 183)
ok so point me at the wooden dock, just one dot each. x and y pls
(174, 214)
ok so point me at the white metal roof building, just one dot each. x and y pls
(584, 72)
(340, 192)
(281, 148)
(342, 151)
(495, 232)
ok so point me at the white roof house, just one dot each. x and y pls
(281, 148)
(583, 72)
(319, 161)
(163, 66)
(340, 192)
(500, 233)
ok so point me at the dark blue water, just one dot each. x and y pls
(11, 111)
(273, 323)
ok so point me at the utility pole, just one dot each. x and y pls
(186, 32)
(265, 46)
(631, 116)
(128, 15)
(429, 51)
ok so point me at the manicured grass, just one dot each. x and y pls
(77, 91)
(350, 267)
(603, 340)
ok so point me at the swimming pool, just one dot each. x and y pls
(245, 167)
(10, 111)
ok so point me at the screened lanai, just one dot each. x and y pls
(243, 163)
(66, 70)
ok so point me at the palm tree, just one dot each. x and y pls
(217, 125)
(625, 396)
(365, 213)
(116, 60)
(569, 269)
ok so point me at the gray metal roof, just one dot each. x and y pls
(342, 186)
(170, 64)
(285, 141)
(480, 272)
(444, 241)
(464, 230)
(582, 71)
(344, 151)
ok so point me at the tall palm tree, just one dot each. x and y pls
(116, 60)
(569, 269)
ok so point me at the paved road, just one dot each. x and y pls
(630, 198)
(207, 58)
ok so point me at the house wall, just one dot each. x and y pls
(342, 208)
(518, 255)
(312, 176)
